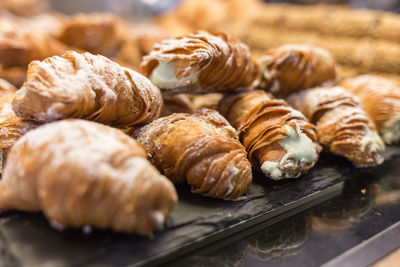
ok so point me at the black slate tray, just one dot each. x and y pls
(28, 240)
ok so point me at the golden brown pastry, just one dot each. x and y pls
(201, 149)
(179, 103)
(343, 127)
(206, 101)
(6, 88)
(292, 67)
(82, 173)
(11, 126)
(380, 98)
(279, 140)
(88, 87)
(24, 7)
(14, 75)
(201, 62)
(97, 33)
(19, 46)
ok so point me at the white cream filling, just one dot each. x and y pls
(158, 219)
(271, 169)
(372, 140)
(298, 146)
(391, 131)
(164, 76)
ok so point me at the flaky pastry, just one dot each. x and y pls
(380, 98)
(11, 126)
(6, 88)
(201, 149)
(279, 140)
(293, 67)
(88, 87)
(343, 127)
(14, 75)
(19, 46)
(178, 103)
(201, 62)
(96, 33)
(83, 173)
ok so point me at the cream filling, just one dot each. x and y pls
(391, 131)
(372, 140)
(164, 76)
(271, 169)
(298, 146)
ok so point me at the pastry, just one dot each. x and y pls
(293, 67)
(206, 101)
(179, 103)
(201, 149)
(279, 140)
(88, 87)
(108, 182)
(201, 62)
(19, 46)
(96, 33)
(14, 75)
(380, 98)
(11, 126)
(24, 7)
(343, 127)
(6, 88)
(366, 54)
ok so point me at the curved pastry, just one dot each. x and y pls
(19, 46)
(201, 149)
(14, 75)
(179, 103)
(11, 126)
(96, 33)
(210, 101)
(88, 87)
(279, 140)
(24, 7)
(109, 182)
(343, 127)
(6, 88)
(201, 62)
(292, 67)
(380, 98)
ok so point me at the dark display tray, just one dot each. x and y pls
(28, 240)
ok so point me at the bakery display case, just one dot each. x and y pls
(199, 132)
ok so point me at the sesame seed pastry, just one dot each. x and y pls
(343, 127)
(81, 173)
(201, 149)
(279, 140)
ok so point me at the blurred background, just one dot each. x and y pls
(140, 7)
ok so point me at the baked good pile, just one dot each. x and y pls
(109, 118)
